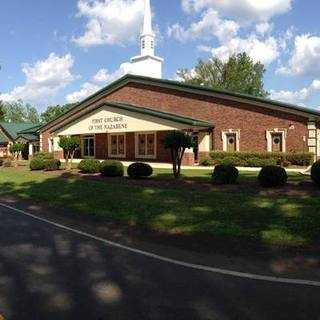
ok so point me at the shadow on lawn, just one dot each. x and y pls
(242, 221)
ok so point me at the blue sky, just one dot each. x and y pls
(58, 51)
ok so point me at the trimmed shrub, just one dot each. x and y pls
(89, 166)
(112, 168)
(1, 162)
(257, 162)
(259, 159)
(44, 155)
(272, 176)
(38, 163)
(315, 173)
(225, 174)
(139, 170)
(52, 165)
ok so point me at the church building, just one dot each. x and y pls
(128, 119)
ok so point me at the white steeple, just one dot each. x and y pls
(147, 36)
(147, 64)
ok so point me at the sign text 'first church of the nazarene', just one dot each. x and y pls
(129, 118)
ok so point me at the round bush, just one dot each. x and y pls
(315, 173)
(38, 163)
(139, 170)
(1, 162)
(112, 168)
(272, 176)
(52, 165)
(225, 174)
(89, 166)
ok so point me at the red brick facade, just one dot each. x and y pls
(252, 121)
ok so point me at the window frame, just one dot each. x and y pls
(269, 136)
(136, 143)
(225, 134)
(117, 156)
(88, 137)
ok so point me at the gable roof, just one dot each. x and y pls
(12, 129)
(187, 88)
(150, 112)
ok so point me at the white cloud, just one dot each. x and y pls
(264, 27)
(209, 25)
(43, 79)
(296, 97)
(97, 82)
(243, 10)
(110, 21)
(305, 58)
(260, 50)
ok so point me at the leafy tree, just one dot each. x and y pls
(16, 149)
(239, 74)
(69, 146)
(2, 112)
(18, 111)
(177, 142)
(53, 112)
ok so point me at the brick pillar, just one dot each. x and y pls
(188, 158)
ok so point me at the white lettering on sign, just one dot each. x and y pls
(111, 123)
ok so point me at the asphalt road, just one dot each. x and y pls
(48, 273)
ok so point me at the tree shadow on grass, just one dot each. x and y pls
(48, 274)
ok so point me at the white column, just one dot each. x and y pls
(312, 137)
(30, 149)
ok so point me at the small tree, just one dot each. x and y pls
(177, 142)
(69, 146)
(16, 149)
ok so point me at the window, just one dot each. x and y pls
(276, 140)
(146, 145)
(143, 44)
(35, 148)
(231, 140)
(152, 44)
(117, 145)
(88, 147)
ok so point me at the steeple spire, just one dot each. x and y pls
(147, 23)
(147, 36)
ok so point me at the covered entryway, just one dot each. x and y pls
(132, 133)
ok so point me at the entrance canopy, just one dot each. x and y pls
(115, 117)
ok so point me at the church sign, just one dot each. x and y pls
(108, 123)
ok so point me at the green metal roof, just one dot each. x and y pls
(12, 129)
(28, 136)
(32, 130)
(180, 86)
(151, 112)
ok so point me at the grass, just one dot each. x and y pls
(244, 211)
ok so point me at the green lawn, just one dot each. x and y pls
(243, 211)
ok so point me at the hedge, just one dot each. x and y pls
(112, 168)
(272, 177)
(89, 166)
(139, 170)
(225, 174)
(258, 159)
(52, 165)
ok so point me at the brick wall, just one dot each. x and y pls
(253, 121)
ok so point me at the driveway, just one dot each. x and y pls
(50, 273)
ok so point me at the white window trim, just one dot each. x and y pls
(136, 143)
(118, 156)
(82, 146)
(269, 133)
(225, 140)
